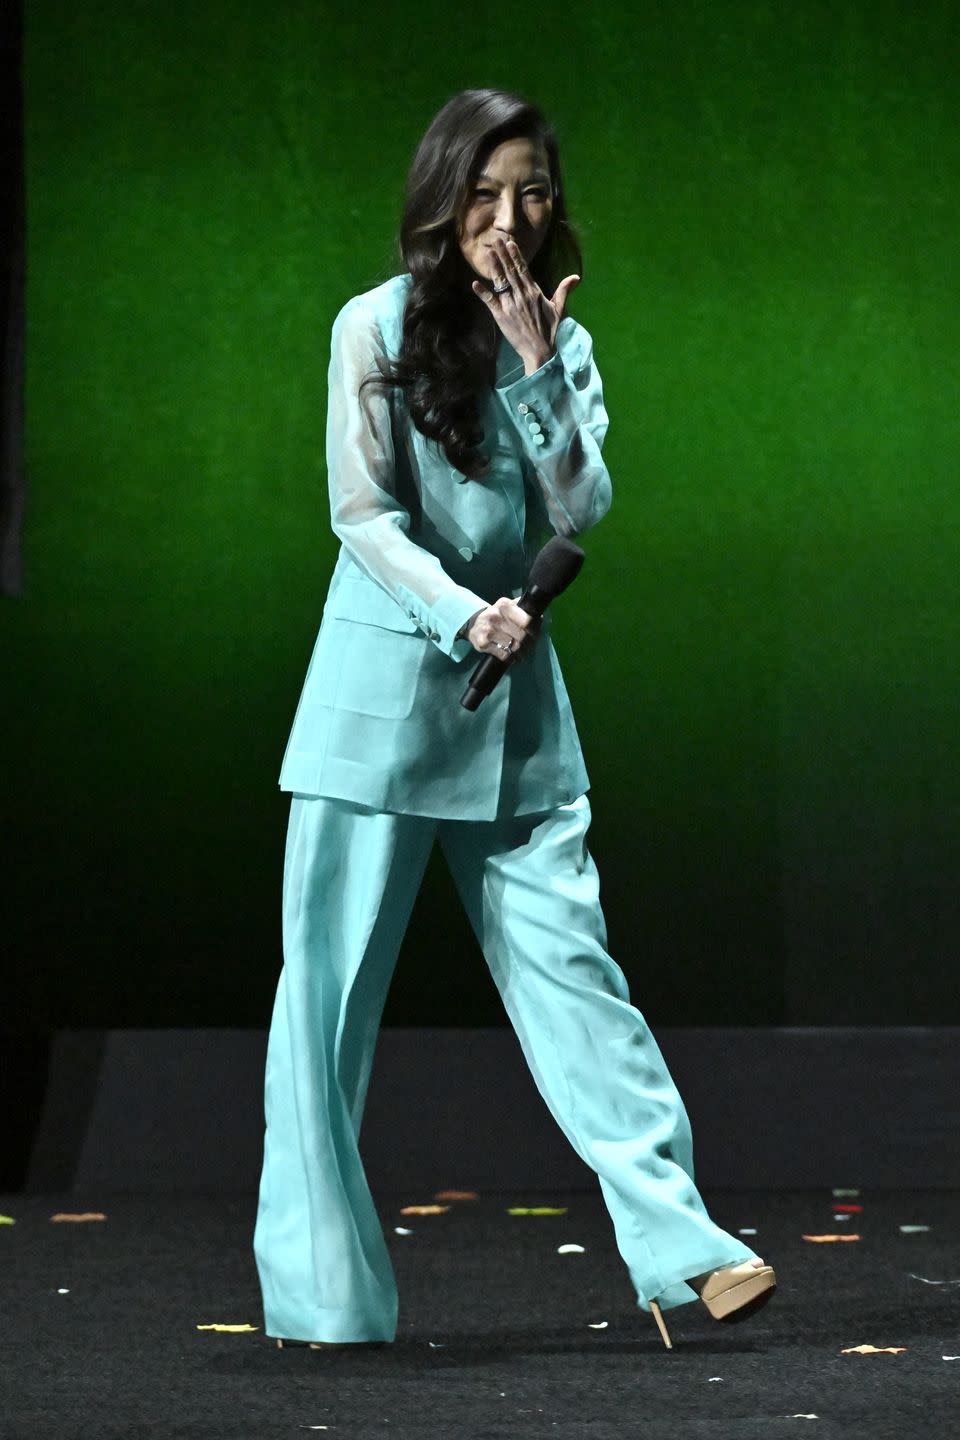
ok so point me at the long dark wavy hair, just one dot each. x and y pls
(450, 338)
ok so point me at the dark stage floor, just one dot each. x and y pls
(495, 1334)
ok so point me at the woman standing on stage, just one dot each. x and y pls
(465, 424)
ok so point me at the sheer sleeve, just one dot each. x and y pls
(365, 513)
(560, 415)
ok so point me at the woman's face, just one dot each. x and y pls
(513, 199)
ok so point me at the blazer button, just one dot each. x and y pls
(538, 439)
(466, 552)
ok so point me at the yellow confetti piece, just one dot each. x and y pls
(874, 1350)
(78, 1219)
(828, 1239)
(456, 1195)
(537, 1210)
(230, 1329)
(7, 1220)
(424, 1209)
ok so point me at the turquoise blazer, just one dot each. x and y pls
(422, 550)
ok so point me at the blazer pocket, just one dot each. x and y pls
(380, 651)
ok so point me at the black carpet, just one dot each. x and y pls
(494, 1338)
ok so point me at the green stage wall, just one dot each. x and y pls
(763, 648)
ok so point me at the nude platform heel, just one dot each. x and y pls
(731, 1293)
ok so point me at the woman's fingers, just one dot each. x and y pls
(503, 629)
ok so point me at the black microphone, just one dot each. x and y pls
(557, 564)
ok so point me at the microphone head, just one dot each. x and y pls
(555, 566)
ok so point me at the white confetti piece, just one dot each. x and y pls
(436, 1344)
(598, 1324)
(801, 1416)
(63, 1292)
(570, 1250)
(842, 1217)
(712, 1378)
(950, 1357)
(913, 1229)
(746, 1230)
(844, 1194)
(400, 1230)
(931, 1282)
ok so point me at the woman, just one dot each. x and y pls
(465, 424)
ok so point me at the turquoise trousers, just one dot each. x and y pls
(531, 891)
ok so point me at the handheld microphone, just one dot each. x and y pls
(554, 568)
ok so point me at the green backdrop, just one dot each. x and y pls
(762, 650)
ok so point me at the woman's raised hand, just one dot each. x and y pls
(524, 314)
(503, 629)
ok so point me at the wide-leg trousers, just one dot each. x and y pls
(531, 891)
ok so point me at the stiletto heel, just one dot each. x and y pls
(658, 1316)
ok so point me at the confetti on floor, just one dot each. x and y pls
(747, 1230)
(424, 1209)
(828, 1239)
(571, 1250)
(913, 1229)
(849, 1209)
(799, 1415)
(601, 1325)
(7, 1220)
(537, 1210)
(456, 1195)
(401, 1230)
(931, 1282)
(87, 1215)
(230, 1329)
(838, 1193)
(874, 1350)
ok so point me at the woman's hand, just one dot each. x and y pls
(524, 314)
(503, 629)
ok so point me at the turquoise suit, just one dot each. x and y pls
(382, 761)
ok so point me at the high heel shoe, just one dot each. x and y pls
(327, 1344)
(730, 1293)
